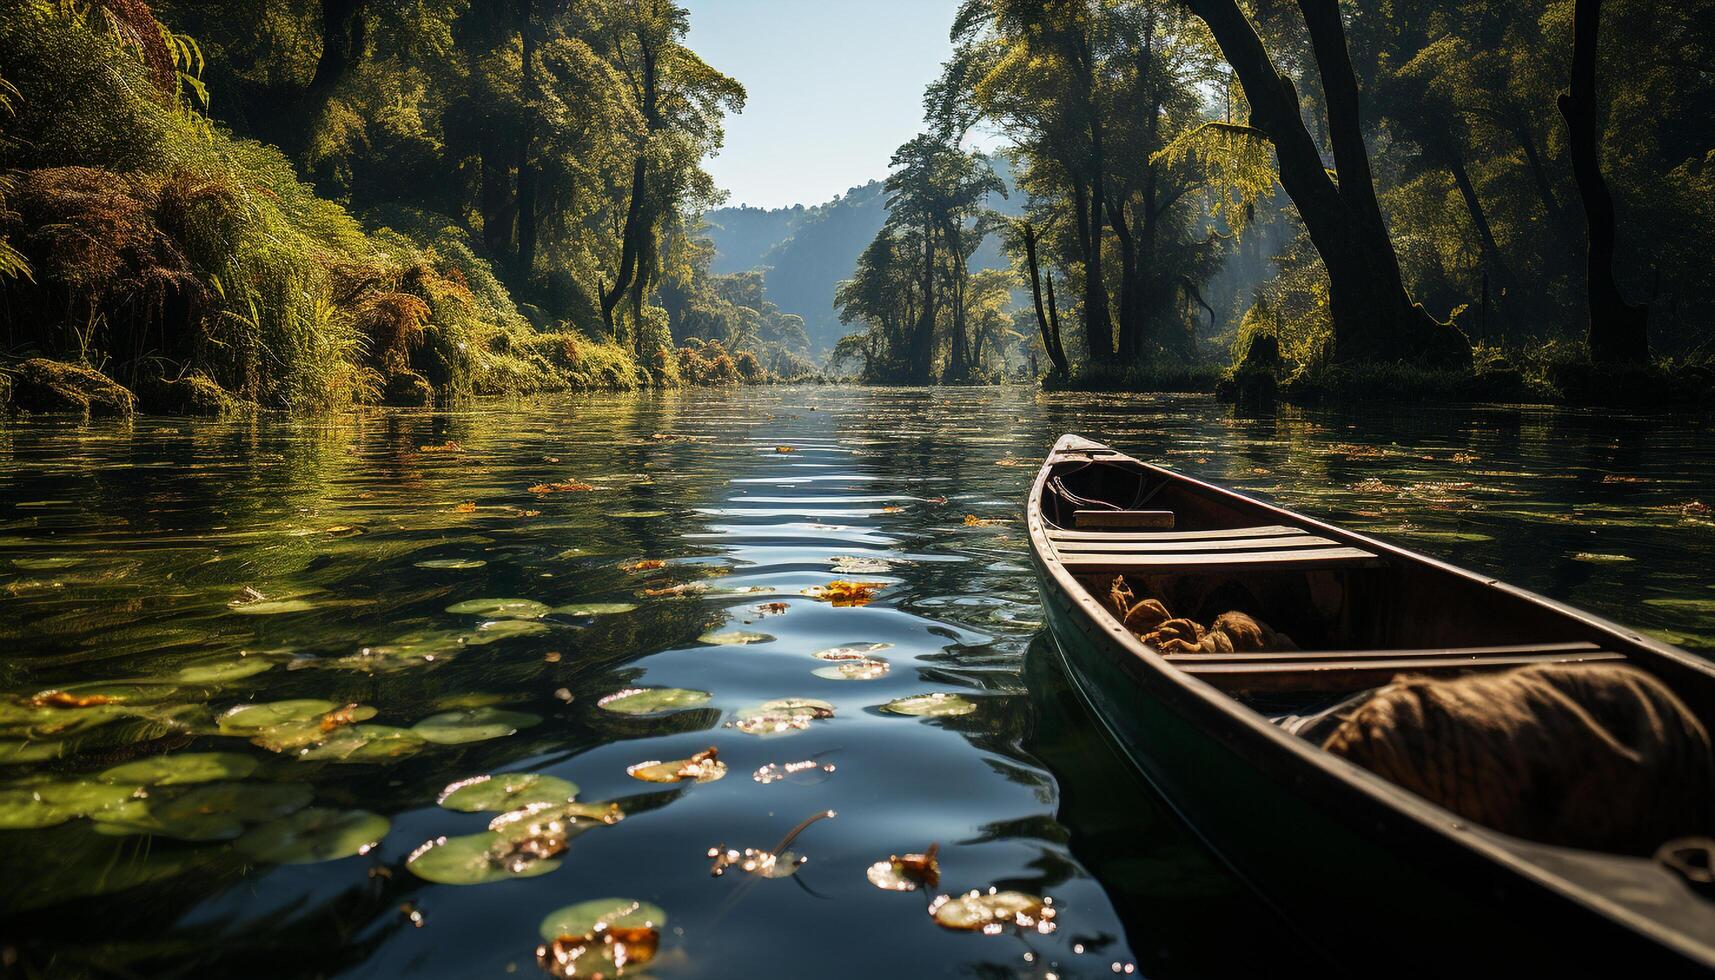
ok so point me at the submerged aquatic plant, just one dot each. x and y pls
(776, 862)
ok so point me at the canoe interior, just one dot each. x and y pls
(1400, 601)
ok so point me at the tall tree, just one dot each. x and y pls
(1619, 330)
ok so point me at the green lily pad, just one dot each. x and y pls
(475, 859)
(495, 630)
(292, 736)
(117, 692)
(215, 670)
(931, 706)
(735, 638)
(1596, 558)
(854, 670)
(452, 564)
(856, 651)
(637, 515)
(181, 769)
(31, 721)
(1445, 537)
(473, 725)
(500, 608)
(211, 811)
(365, 743)
(1684, 605)
(782, 716)
(506, 791)
(653, 700)
(46, 564)
(13, 751)
(248, 719)
(595, 609)
(51, 803)
(583, 918)
(314, 835)
(271, 607)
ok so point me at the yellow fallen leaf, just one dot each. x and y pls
(972, 520)
(843, 593)
(465, 509)
(646, 565)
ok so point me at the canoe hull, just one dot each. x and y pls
(1371, 888)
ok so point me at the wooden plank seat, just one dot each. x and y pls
(1286, 542)
(1160, 520)
(1355, 670)
(1059, 536)
(1302, 559)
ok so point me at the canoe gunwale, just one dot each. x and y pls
(1267, 748)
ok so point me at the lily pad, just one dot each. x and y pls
(13, 751)
(595, 609)
(474, 859)
(212, 811)
(704, 767)
(97, 693)
(271, 607)
(214, 670)
(782, 716)
(936, 705)
(1445, 537)
(854, 670)
(855, 651)
(653, 700)
(248, 719)
(46, 564)
(506, 791)
(990, 912)
(365, 743)
(452, 564)
(49, 804)
(181, 769)
(503, 629)
(500, 608)
(473, 725)
(585, 918)
(1596, 558)
(314, 835)
(637, 515)
(735, 638)
(1684, 605)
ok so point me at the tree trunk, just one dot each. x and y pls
(1130, 347)
(528, 175)
(1374, 318)
(1619, 331)
(923, 341)
(343, 42)
(1050, 331)
(1098, 327)
(498, 203)
(1492, 257)
(627, 247)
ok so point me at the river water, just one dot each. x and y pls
(210, 597)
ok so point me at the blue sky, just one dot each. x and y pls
(834, 88)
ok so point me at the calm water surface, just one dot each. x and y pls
(166, 572)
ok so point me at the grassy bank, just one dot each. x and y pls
(197, 271)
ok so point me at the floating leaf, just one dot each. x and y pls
(271, 607)
(854, 670)
(602, 954)
(13, 751)
(543, 489)
(46, 564)
(247, 719)
(452, 564)
(46, 804)
(365, 743)
(810, 769)
(782, 716)
(1601, 559)
(907, 873)
(1444, 537)
(990, 913)
(730, 638)
(931, 705)
(446, 447)
(637, 515)
(474, 859)
(853, 565)
(595, 609)
(653, 700)
(972, 520)
(585, 918)
(92, 694)
(844, 593)
(500, 608)
(506, 791)
(704, 767)
(777, 862)
(213, 670)
(473, 725)
(1684, 605)
(211, 811)
(314, 835)
(181, 769)
(858, 651)
(646, 565)
(293, 735)
(495, 630)
(785, 449)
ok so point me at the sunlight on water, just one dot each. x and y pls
(256, 670)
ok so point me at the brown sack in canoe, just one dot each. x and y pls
(1598, 757)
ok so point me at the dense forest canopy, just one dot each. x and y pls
(1361, 183)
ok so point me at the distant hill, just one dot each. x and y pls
(807, 252)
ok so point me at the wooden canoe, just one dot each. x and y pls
(1378, 877)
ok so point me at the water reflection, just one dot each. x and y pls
(329, 554)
